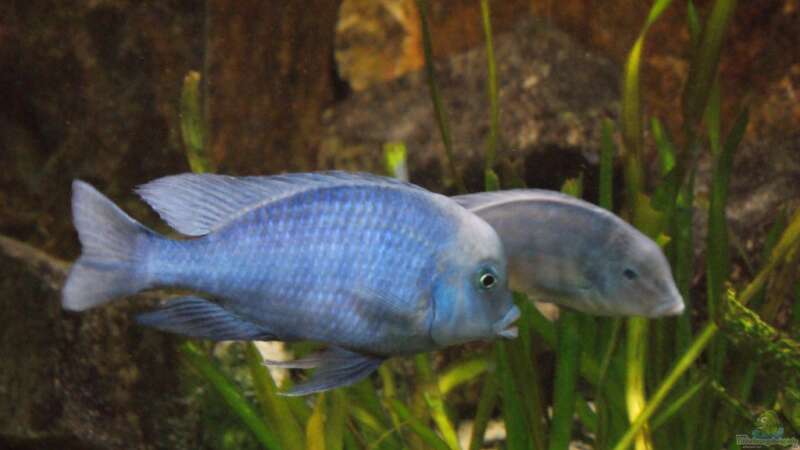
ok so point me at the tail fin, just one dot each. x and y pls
(113, 246)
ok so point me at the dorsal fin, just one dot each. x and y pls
(197, 204)
(483, 200)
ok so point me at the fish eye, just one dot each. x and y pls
(630, 274)
(487, 279)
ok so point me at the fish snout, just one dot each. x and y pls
(504, 328)
(673, 307)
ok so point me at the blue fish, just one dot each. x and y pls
(371, 266)
(567, 251)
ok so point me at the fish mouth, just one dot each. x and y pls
(504, 328)
(673, 308)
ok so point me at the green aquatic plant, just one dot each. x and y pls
(617, 383)
(351, 418)
(491, 181)
(436, 96)
(193, 128)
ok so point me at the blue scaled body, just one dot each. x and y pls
(371, 266)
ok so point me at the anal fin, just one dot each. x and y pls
(200, 318)
(336, 367)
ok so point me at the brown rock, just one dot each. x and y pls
(81, 381)
(380, 40)
(552, 96)
(269, 75)
(760, 49)
(89, 90)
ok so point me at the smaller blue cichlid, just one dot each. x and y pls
(570, 252)
(371, 266)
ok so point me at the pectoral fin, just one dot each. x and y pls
(200, 318)
(336, 367)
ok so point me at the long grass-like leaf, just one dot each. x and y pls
(525, 376)
(666, 151)
(517, 433)
(731, 401)
(633, 139)
(486, 403)
(718, 260)
(607, 151)
(567, 363)
(632, 134)
(394, 157)
(335, 421)
(704, 62)
(490, 177)
(365, 395)
(787, 242)
(631, 98)
(683, 259)
(601, 396)
(433, 397)
(693, 21)
(678, 403)
(436, 96)
(610, 328)
(713, 119)
(193, 129)
(315, 428)
(586, 414)
(195, 359)
(389, 393)
(573, 186)
(680, 368)
(425, 433)
(718, 254)
(367, 419)
(568, 354)
(276, 409)
(460, 373)
(634, 380)
(543, 327)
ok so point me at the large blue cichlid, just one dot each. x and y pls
(371, 266)
(570, 252)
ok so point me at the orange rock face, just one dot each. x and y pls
(379, 40)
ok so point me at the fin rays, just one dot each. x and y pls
(200, 318)
(336, 367)
(197, 204)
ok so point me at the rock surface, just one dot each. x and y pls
(765, 182)
(91, 90)
(380, 40)
(553, 95)
(81, 381)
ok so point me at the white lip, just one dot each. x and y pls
(670, 309)
(503, 327)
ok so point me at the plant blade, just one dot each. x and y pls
(195, 359)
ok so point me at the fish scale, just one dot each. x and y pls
(370, 266)
(394, 273)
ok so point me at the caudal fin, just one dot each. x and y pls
(113, 245)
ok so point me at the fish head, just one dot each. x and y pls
(471, 298)
(629, 275)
